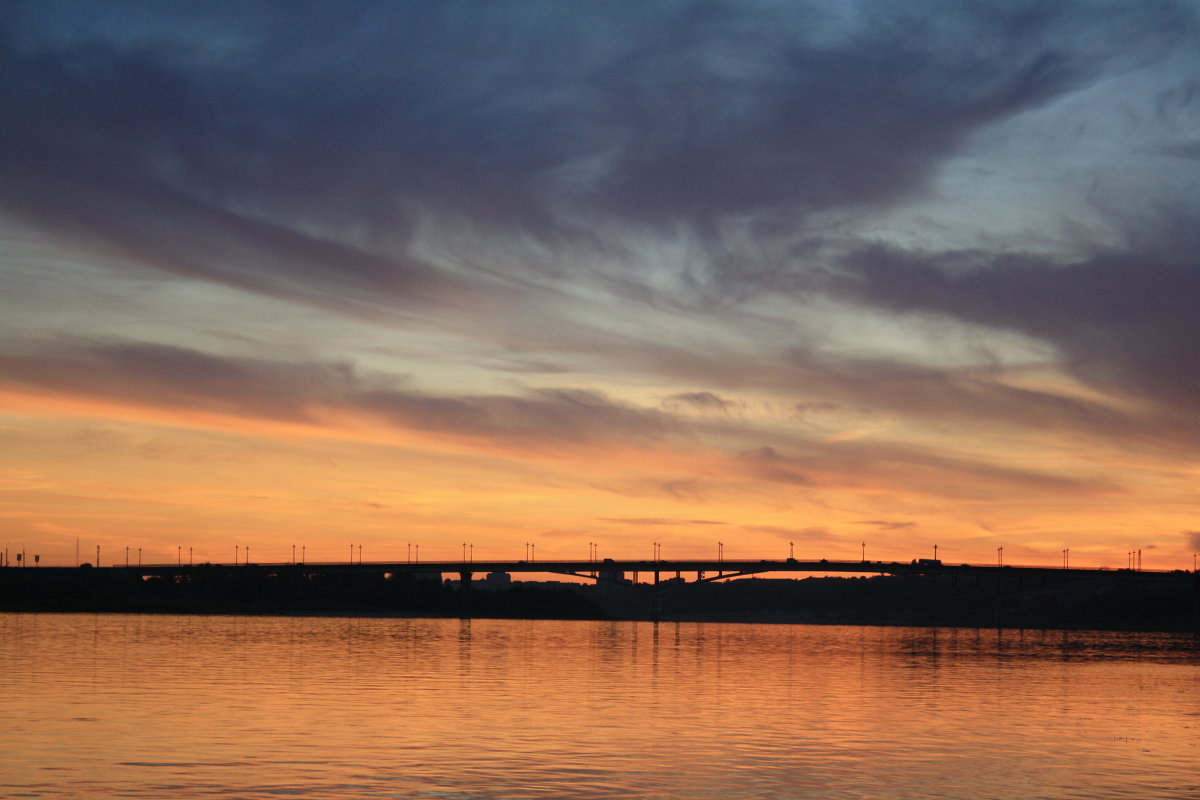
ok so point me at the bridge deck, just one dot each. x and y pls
(667, 568)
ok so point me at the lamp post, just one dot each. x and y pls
(864, 552)
(178, 556)
(791, 551)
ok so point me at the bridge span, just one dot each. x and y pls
(675, 570)
(622, 583)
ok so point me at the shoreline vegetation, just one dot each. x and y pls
(881, 600)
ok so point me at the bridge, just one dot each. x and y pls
(675, 571)
(626, 583)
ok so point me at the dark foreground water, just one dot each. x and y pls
(119, 706)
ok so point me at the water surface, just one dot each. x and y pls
(266, 707)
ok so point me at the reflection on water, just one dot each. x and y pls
(265, 707)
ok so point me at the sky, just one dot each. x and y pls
(778, 276)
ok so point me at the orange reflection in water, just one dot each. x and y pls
(112, 705)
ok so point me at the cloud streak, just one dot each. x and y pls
(186, 380)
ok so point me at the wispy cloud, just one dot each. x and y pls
(643, 521)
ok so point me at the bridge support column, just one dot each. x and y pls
(655, 601)
(1196, 601)
(464, 595)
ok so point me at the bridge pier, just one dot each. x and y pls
(1196, 600)
(464, 595)
(655, 601)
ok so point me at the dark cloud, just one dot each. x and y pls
(293, 147)
(887, 525)
(685, 490)
(543, 416)
(976, 394)
(888, 466)
(545, 419)
(812, 124)
(1125, 322)
(660, 521)
(178, 378)
(767, 464)
(523, 365)
(700, 401)
(172, 377)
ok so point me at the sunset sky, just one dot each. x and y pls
(392, 273)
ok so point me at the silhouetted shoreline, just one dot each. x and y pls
(883, 600)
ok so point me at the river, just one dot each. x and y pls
(129, 706)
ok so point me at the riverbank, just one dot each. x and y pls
(884, 600)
